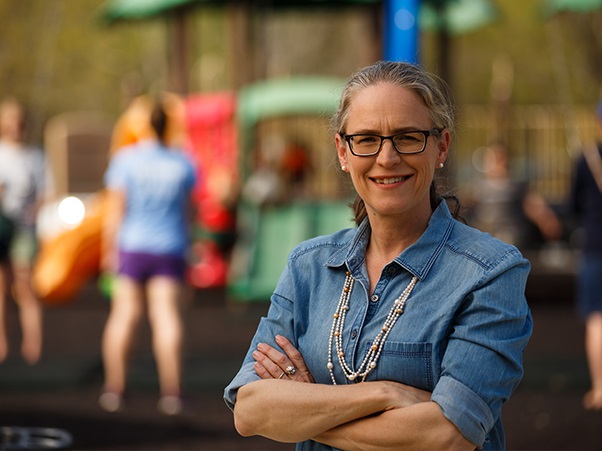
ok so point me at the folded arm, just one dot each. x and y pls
(418, 427)
(370, 415)
(367, 416)
(290, 411)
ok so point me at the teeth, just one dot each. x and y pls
(389, 181)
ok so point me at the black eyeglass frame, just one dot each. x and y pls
(426, 133)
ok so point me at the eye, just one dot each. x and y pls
(364, 140)
(408, 138)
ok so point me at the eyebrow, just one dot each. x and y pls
(395, 131)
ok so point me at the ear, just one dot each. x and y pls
(341, 146)
(443, 146)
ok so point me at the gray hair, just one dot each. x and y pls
(433, 91)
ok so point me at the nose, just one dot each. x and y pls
(388, 155)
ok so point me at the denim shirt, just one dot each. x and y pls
(461, 335)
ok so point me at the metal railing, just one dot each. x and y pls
(543, 143)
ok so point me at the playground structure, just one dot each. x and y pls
(298, 109)
(243, 245)
(227, 134)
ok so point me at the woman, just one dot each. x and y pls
(149, 185)
(406, 332)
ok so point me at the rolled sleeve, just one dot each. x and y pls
(279, 321)
(464, 408)
(482, 364)
(246, 375)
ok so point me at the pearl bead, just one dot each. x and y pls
(371, 358)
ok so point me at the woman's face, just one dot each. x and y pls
(392, 184)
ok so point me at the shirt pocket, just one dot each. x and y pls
(408, 363)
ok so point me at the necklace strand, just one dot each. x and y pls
(338, 324)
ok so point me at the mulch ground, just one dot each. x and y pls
(61, 391)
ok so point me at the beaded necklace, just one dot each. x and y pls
(338, 324)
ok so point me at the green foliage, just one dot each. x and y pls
(57, 56)
(553, 59)
(60, 56)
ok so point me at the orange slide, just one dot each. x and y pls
(66, 262)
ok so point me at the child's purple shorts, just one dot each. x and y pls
(141, 267)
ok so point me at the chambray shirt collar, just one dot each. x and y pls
(417, 259)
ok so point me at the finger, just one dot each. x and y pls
(272, 368)
(262, 372)
(275, 355)
(277, 362)
(291, 352)
(303, 373)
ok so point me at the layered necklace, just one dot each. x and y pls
(373, 354)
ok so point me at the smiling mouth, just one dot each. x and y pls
(391, 180)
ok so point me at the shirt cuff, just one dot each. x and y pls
(464, 408)
(245, 375)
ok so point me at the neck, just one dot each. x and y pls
(388, 239)
(392, 235)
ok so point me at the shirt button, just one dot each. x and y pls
(353, 334)
(374, 298)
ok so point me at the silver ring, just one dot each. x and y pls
(283, 373)
(290, 370)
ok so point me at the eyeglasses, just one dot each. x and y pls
(367, 145)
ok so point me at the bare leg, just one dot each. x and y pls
(30, 315)
(124, 318)
(4, 284)
(593, 350)
(166, 323)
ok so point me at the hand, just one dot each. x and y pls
(402, 395)
(270, 363)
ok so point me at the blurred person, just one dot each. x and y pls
(25, 184)
(296, 168)
(507, 208)
(586, 203)
(265, 185)
(146, 239)
(133, 126)
(407, 331)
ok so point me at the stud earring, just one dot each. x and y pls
(440, 165)
(344, 168)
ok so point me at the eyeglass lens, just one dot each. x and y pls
(411, 142)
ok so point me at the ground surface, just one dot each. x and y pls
(61, 390)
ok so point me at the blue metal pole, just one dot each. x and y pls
(401, 30)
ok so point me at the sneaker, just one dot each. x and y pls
(111, 402)
(170, 405)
